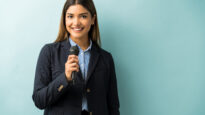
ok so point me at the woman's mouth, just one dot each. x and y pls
(77, 29)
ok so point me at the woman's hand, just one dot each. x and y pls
(71, 65)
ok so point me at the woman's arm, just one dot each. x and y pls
(47, 91)
(113, 101)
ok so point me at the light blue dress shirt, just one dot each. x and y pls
(84, 58)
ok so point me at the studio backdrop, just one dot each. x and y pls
(158, 47)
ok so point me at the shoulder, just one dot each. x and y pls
(106, 59)
(106, 55)
(100, 51)
(55, 46)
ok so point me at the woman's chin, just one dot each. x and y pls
(78, 36)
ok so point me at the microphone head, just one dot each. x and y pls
(74, 50)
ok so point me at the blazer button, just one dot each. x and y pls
(88, 90)
(91, 113)
(60, 88)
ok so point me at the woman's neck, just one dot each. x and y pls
(83, 43)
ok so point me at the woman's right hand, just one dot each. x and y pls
(71, 65)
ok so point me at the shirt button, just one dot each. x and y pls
(88, 90)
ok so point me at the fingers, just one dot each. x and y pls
(72, 56)
(72, 63)
(72, 60)
(74, 67)
(71, 67)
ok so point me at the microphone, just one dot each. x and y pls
(73, 51)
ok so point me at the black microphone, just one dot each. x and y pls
(73, 51)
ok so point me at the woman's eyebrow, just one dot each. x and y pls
(83, 13)
(69, 13)
(79, 14)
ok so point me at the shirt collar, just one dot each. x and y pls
(72, 43)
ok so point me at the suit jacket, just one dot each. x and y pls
(57, 96)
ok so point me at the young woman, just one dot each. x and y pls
(94, 90)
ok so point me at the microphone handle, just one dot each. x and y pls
(73, 76)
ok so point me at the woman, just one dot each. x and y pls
(94, 90)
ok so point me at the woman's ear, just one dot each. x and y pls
(93, 19)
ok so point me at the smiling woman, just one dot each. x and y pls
(94, 91)
(71, 11)
(78, 22)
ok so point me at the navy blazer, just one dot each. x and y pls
(57, 96)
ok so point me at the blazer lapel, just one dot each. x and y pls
(93, 61)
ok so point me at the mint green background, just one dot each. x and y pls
(158, 48)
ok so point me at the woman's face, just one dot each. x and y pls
(78, 21)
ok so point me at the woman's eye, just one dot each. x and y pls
(70, 16)
(84, 16)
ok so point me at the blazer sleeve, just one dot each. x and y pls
(113, 100)
(47, 91)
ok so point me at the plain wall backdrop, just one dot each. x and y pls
(158, 48)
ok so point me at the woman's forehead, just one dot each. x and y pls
(77, 9)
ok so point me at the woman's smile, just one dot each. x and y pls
(77, 29)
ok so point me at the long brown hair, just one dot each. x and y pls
(94, 33)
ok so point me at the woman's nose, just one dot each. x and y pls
(76, 21)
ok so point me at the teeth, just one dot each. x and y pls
(77, 29)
